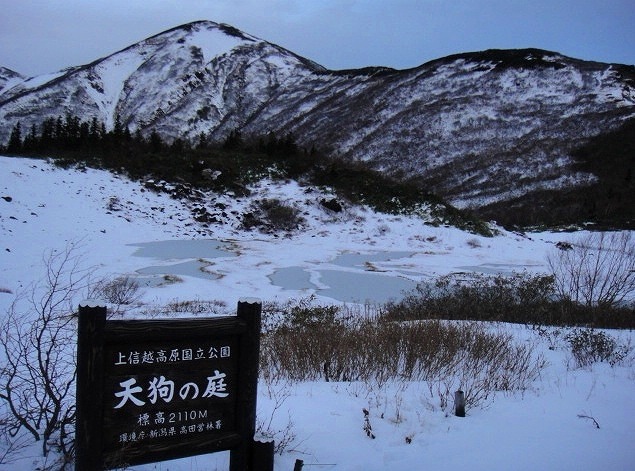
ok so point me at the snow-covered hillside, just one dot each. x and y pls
(476, 128)
(106, 216)
(181, 82)
(45, 207)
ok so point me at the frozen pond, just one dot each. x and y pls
(352, 260)
(362, 287)
(191, 256)
(349, 277)
(292, 278)
(190, 268)
(345, 286)
(182, 249)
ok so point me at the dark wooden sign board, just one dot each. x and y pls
(154, 390)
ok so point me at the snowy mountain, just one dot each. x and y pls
(477, 128)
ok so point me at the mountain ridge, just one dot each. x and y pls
(479, 128)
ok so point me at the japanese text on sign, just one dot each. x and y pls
(166, 424)
(149, 357)
(163, 389)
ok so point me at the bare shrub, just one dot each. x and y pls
(37, 338)
(480, 363)
(519, 297)
(194, 307)
(589, 346)
(10, 446)
(272, 215)
(355, 348)
(119, 292)
(367, 427)
(266, 425)
(599, 270)
(474, 243)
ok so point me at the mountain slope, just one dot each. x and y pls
(477, 128)
(9, 78)
(186, 69)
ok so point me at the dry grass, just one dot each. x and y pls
(346, 346)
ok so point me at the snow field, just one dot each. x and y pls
(46, 208)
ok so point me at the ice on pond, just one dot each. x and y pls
(363, 287)
(295, 278)
(183, 249)
(193, 268)
(356, 282)
(346, 285)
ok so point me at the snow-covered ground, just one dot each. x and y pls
(45, 208)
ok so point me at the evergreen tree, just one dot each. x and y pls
(31, 140)
(234, 140)
(84, 132)
(15, 140)
(70, 131)
(138, 138)
(48, 133)
(59, 133)
(94, 131)
(118, 130)
(202, 141)
(156, 143)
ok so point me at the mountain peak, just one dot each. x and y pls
(199, 26)
(8, 78)
(8, 73)
(508, 120)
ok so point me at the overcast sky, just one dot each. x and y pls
(40, 36)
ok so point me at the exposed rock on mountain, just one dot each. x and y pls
(477, 128)
(9, 78)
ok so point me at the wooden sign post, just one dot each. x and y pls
(154, 390)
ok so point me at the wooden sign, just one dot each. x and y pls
(153, 390)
